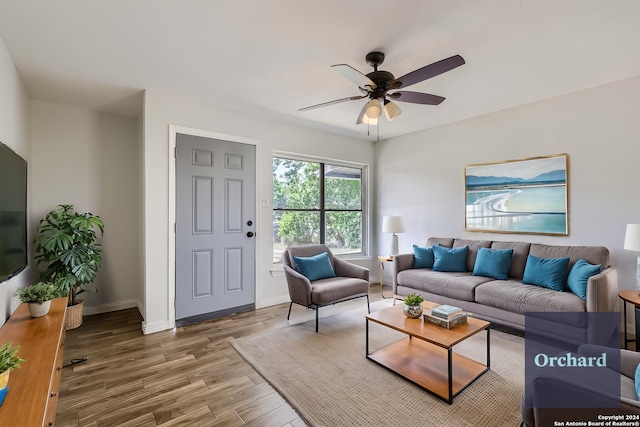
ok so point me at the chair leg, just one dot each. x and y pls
(368, 307)
(289, 314)
(317, 311)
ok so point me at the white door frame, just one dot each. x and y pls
(173, 130)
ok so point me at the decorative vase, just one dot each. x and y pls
(4, 381)
(412, 311)
(73, 316)
(39, 310)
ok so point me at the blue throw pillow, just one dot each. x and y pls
(546, 272)
(450, 259)
(637, 379)
(316, 267)
(493, 263)
(579, 275)
(422, 257)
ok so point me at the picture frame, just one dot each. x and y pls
(524, 196)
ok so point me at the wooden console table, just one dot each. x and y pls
(33, 388)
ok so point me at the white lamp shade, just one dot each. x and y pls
(374, 110)
(632, 238)
(368, 120)
(391, 110)
(392, 224)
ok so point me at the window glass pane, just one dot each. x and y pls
(342, 187)
(344, 232)
(294, 228)
(296, 184)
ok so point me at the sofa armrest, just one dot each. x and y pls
(629, 360)
(346, 269)
(602, 291)
(299, 286)
(400, 262)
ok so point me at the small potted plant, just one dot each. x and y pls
(38, 297)
(412, 305)
(9, 360)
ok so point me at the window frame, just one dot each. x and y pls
(364, 197)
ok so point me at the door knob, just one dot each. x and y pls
(250, 234)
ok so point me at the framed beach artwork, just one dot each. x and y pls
(526, 196)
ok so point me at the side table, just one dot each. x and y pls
(631, 297)
(381, 260)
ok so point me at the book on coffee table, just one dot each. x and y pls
(458, 319)
(446, 312)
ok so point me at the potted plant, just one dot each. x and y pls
(9, 359)
(38, 297)
(66, 244)
(412, 305)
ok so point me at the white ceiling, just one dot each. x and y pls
(272, 57)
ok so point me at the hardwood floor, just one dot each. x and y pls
(187, 377)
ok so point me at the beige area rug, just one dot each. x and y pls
(326, 378)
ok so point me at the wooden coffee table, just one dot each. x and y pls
(426, 357)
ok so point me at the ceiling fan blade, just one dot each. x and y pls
(335, 101)
(427, 72)
(417, 97)
(354, 75)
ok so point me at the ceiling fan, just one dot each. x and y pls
(377, 85)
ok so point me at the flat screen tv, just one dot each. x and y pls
(13, 213)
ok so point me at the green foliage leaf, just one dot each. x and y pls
(66, 245)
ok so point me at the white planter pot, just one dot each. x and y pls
(39, 310)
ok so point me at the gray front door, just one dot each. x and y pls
(215, 222)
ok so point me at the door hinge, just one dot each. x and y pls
(174, 302)
(175, 228)
(175, 152)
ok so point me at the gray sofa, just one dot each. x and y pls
(507, 301)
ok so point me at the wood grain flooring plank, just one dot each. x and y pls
(200, 417)
(152, 403)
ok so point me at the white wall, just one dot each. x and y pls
(92, 160)
(421, 176)
(14, 133)
(161, 110)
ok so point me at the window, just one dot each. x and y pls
(316, 202)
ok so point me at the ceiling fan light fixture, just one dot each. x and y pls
(374, 110)
(391, 110)
(369, 120)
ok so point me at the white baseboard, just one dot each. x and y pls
(105, 308)
(150, 328)
(273, 301)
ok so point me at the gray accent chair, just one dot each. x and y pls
(629, 403)
(351, 281)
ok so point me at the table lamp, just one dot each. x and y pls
(393, 224)
(632, 243)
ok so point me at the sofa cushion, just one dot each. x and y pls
(494, 263)
(579, 276)
(513, 295)
(519, 258)
(460, 286)
(546, 272)
(422, 257)
(591, 254)
(451, 260)
(473, 245)
(315, 267)
(440, 241)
